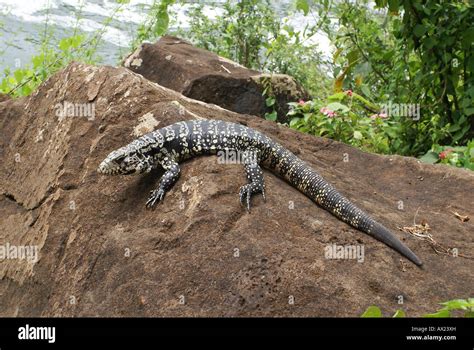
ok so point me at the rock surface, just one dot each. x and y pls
(205, 76)
(199, 253)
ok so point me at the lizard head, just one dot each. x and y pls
(125, 161)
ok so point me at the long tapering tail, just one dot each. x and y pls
(313, 185)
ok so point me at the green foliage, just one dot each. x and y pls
(347, 117)
(22, 81)
(239, 33)
(459, 156)
(372, 311)
(270, 99)
(451, 308)
(156, 23)
(252, 34)
(411, 52)
(51, 58)
(375, 312)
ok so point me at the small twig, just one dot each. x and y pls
(228, 71)
(463, 218)
(421, 232)
(414, 218)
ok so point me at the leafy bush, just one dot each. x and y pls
(346, 117)
(22, 81)
(53, 57)
(459, 156)
(451, 308)
(252, 34)
(410, 52)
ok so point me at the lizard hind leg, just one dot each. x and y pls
(256, 183)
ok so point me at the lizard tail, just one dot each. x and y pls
(313, 185)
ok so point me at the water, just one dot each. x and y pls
(22, 25)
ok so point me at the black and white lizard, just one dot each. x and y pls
(165, 148)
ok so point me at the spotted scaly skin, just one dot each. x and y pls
(167, 147)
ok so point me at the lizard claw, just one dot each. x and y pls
(155, 197)
(247, 191)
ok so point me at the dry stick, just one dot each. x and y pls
(437, 247)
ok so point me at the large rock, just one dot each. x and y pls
(199, 253)
(205, 76)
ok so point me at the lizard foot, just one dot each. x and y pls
(246, 191)
(155, 197)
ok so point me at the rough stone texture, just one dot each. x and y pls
(102, 253)
(4, 97)
(205, 76)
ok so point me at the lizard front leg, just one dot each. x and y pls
(256, 183)
(167, 181)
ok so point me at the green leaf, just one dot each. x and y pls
(456, 304)
(162, 22)
(454, 127)
(429, 42)
(18, 74)
(271, 116)
(443, 313)
(430, 157)
(336, 106)
(468, 37)
(469, 111)
(294, 121)
(419, 30)
(399, 314)
(352, 56)
(372, 311)
(302, 5)
(366, 91)
(393, 5)
(37, 60)
(358, 135)
(270, 101)
(26, 90)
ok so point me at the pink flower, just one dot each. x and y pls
(348, 92)
(327, 112)
(301, 102)
(445, 153)
(379, 115)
